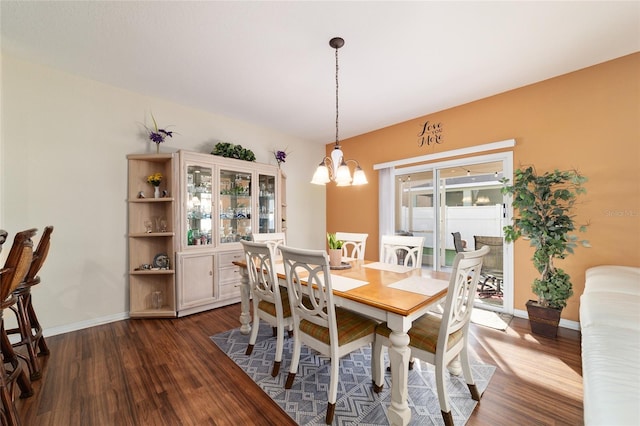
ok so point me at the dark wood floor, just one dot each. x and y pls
(168, 372)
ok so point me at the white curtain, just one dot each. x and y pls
(387, 194)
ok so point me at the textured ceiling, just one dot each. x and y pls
(269, 63)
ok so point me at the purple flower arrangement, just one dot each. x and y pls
(280, 156)
(157, 135)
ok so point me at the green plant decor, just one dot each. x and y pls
(229, 150)
(544, 205)
(334, 243)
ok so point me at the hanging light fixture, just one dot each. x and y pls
(335, 168)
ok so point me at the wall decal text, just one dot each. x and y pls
(430, 134)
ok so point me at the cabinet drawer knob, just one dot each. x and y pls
(210, 273)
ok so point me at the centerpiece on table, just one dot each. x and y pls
(335, 250)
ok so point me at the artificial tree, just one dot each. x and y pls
(544, 206)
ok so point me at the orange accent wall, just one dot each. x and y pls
(588, 120)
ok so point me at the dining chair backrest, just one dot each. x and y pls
(314, 301)
(263, 280)
(402, 250)
(3, 237)
(354, 244)
(461, 294)
(17, 263)
(273, 239)
(39, 256)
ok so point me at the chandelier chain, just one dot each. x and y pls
(337, 114)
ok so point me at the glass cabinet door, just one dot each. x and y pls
(267, 204)
(198, 202)
(235, 206)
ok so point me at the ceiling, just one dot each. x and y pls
(270, 64)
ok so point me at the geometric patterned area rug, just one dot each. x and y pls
(357, 404)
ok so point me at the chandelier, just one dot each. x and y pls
(335, 168)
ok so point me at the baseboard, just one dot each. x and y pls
(84, 324)
(572, 325)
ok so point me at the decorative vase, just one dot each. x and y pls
(335, 257)
(157, 150)
(156, 192)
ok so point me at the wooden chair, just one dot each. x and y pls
(3, 238)
(29, 327)
(274, 239)
(437, 339)
(270, 302)
(492, 273)
(12, 274)
(401, 250)
(354, 245)
(334, 332)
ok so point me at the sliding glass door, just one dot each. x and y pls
(457, 197)
(414, 209)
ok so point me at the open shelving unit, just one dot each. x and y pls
(151, 236)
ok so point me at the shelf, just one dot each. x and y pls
(150, 200)
(151, 234)
(163, 312)
(236, 195)
(151, 272)
(153, 214)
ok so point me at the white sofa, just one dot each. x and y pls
(610, 324)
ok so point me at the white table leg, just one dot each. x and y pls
(245, 316)
(455, 367)
(399, 356)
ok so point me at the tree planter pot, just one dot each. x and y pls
(543, 320)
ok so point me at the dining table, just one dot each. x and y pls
(389, 293)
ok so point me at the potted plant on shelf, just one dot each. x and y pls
(229, 150)
(544, 205)
(335, 250)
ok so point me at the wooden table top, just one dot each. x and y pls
(377, 292)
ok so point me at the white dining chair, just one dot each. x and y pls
(270, 302)
(274, 239)
(354, 244)
(318, 323)
(439, 339)
(403, 250)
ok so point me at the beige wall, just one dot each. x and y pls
(63, 152)
(588, 120)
